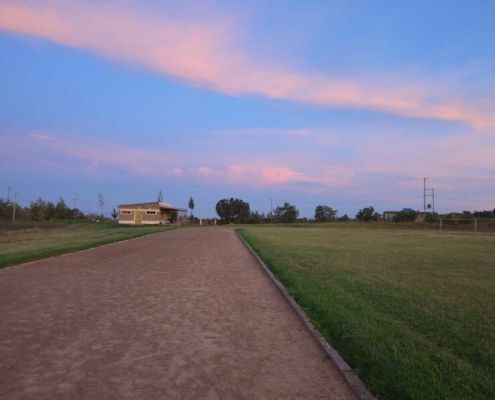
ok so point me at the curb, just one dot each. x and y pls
(357, 386)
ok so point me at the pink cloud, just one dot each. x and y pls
(379, 162)
(208, 54)
(96, 157)
(260, 173)
(265, 174)
(205, 171)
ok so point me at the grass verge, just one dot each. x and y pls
(413, 312)
(19, 246)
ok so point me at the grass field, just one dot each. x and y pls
(18, 246)
(413, 312)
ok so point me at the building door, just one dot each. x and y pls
(138, 216)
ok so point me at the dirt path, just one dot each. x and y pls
(186, 314)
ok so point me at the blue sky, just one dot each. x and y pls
(343, 103)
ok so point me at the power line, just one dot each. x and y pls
(463, 199)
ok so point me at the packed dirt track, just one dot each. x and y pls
(185, 314)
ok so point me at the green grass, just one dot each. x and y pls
(18, 246)
(413, 312)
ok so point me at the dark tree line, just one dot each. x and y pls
(39, 210)
(484, 214)
(238, 211)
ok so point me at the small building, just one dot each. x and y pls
(416, 216)
(154, 213)
(390, 215)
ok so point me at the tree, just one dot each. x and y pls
(286, 213)
(114, 215)
(159, 196)
(61, 210)
(324, 213)
(344, 218)
(233, 210)
(5, 209)
(50, 211)
(101, 203)
(191, 207)
(257, 217)
(366, 214)
(37, 209)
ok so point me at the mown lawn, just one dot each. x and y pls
(413, 312)
(18, 246)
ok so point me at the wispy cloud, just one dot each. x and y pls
(210, 55)
(77, 154)
(100, 157)
(381, 166)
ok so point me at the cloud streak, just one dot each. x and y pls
(374, 171)
(74, 155)
(459, 155)
(210, 55)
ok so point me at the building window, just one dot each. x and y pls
(125, 212)
(150, 212)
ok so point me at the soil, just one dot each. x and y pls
(185, 314)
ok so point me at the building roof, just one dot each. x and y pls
(154, 204)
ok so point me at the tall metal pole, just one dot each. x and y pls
(433, 200)
(424, 196)
(271, 210)
(13, 207)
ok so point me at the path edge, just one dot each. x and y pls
(357, 386)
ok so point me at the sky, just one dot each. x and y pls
(344, 103)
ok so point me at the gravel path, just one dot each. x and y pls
(186, 314)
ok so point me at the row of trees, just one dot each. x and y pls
(238, 211)
(39, 210)
(235, 210)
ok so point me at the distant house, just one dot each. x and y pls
(390, 215)
(155, 213)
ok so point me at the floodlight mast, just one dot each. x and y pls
(428, 193)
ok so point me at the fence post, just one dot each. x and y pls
(476, 224)
(440, 224)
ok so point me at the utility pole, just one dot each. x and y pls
(433, 200)
(13, 207)
(8, 194)
(271, 210)
(424, 196)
